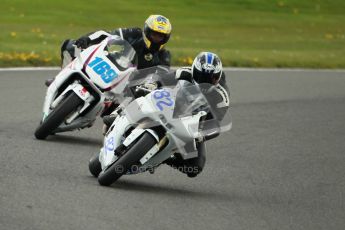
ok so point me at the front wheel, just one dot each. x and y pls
(127, 160)
(58, 115)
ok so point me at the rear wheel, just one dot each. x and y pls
(127, 160)
(95, 166)
(58, 115)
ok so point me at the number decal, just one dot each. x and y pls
(163, 99)
(94, 62)
(159, 94)
(109, 146)
(103, 69)
(168, 103)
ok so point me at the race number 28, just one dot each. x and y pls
(103, 69)
(163, 99)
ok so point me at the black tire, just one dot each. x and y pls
(57, 116)
(132, 156)
(95, 166)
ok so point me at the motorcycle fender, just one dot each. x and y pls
(136, 133)
(80, 91)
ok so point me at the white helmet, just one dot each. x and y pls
(207, 68)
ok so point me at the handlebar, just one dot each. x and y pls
(142, 89)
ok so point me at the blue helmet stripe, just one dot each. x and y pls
(209, 58)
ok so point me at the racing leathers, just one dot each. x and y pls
(220, 104)
(146, 57)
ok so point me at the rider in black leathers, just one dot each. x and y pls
(206, 68)
(148, 43)
(205, 71)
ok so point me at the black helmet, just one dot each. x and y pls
(207, 68)
(157, 31)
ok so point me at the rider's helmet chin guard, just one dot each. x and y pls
(207, 68)
(157, 30)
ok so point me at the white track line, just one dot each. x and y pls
(29, 68)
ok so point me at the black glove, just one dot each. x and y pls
(83, 42)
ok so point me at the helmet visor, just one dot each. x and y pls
(206, 77)
(157, 37)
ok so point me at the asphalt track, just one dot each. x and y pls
(281, 167)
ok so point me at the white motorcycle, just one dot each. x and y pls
(84, 88)
(152, 127)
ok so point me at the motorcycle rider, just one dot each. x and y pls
(206, 68)
(148, 43)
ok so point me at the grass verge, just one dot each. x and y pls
(258, 33)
